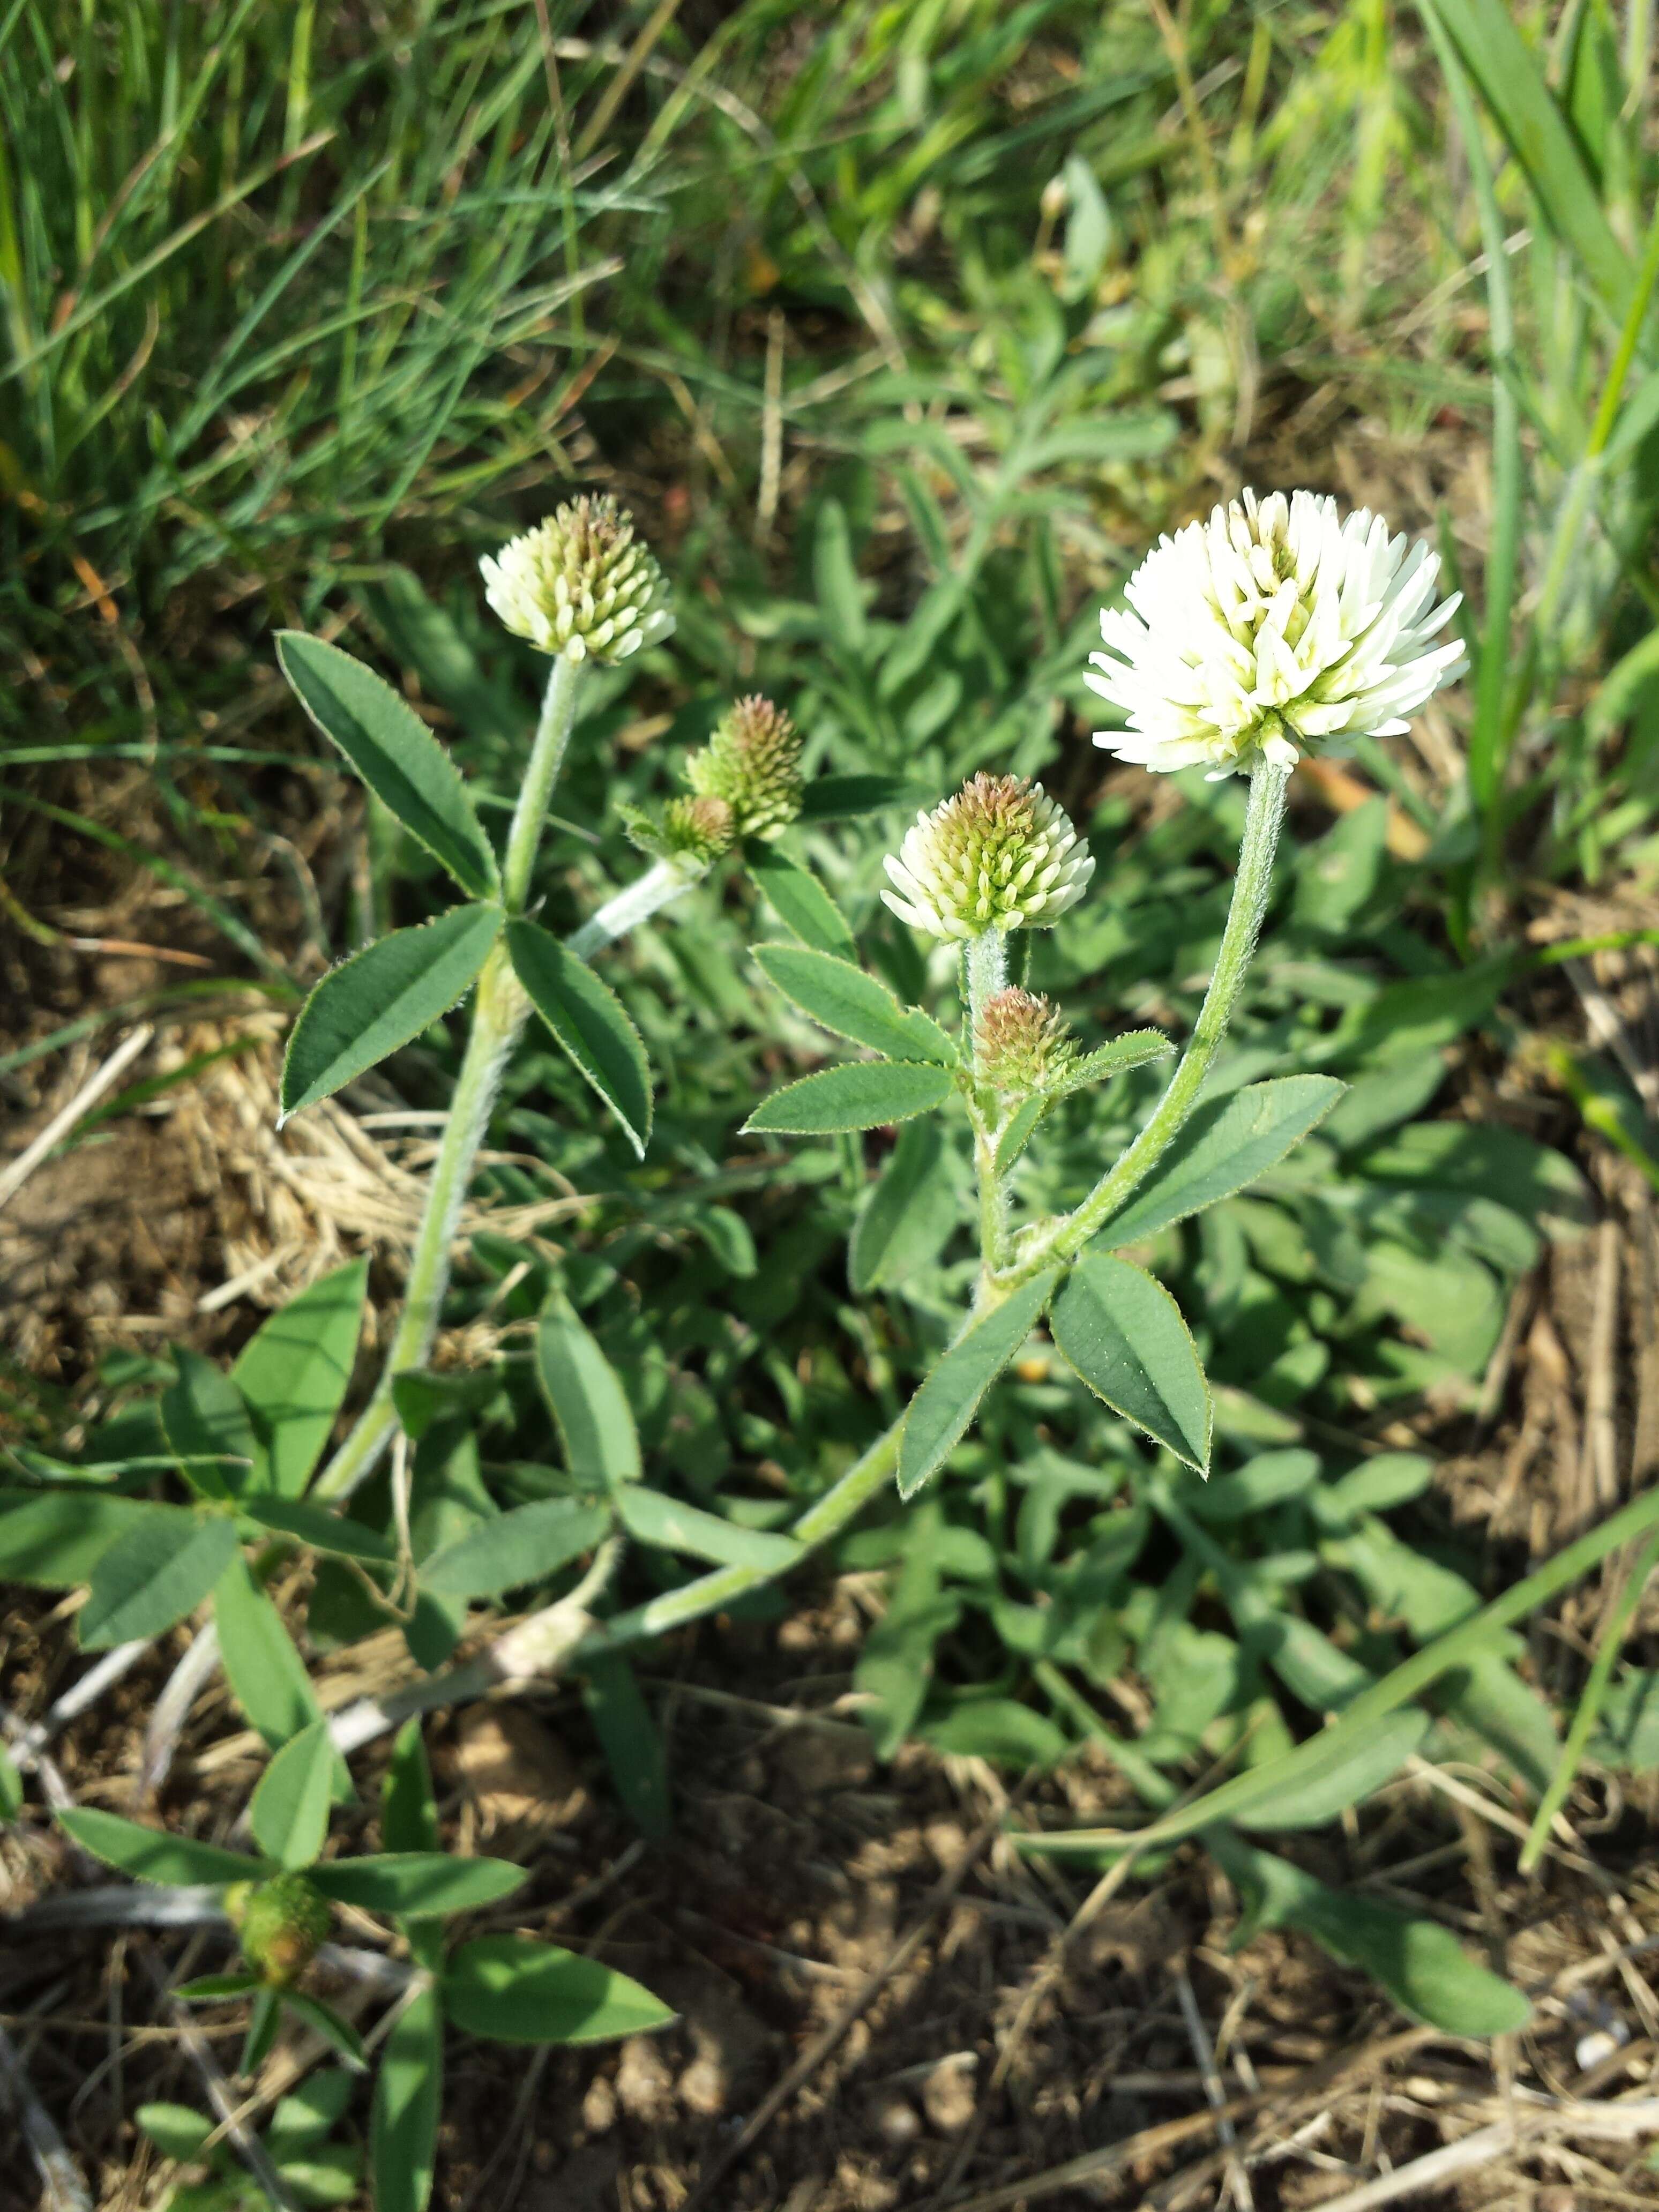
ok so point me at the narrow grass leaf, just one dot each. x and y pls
(408, 2099)
(947, 1402)
(409, 1812)
(524, 1545)
(852, 1004)
(588, 1020)
(11, 1787)
(513, 1990)
(1224, 1147)
(323, 2020)
(149, 1856)
(413, 1884)
(1123, 1333)
(674, 1527)
(585, 1397)
(289, 1812)
(294, 1373)
(395, 754)
(861, 1094)
(374, 1003)
(152, 1577)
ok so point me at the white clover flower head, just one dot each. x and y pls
(1000, 854)
(1274, 629)
(581, 584)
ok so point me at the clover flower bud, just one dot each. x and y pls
(693, 833)
(1022, 1042)
(279, 1924)
(1000, 854)
(753, 762)
(581, 584)
(1274, 628)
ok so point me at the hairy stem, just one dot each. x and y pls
(661, 882)
(1065, 1238)
(499, 1009)
(986, 962)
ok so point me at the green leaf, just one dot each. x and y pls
(157, 1572)
(1355, 1770)
(513, 1990)
(1269, 1479)
(413, 1884)
(1134, 1048)
(631, 1741)
(294, 1373)
(1421, 1964)
(149, 1856)
(853, 1005)
(336, 1534)
(1021, 1126)
(301, 2121)
(408, 2099)
(1001, 1730)
(265, 2018)
(409, 1812)
(834, 798)
(862, 1094)
(217, 1989)
(267, 1674)
(674, 1527)
(206, 1423)
(1628, 1738)
(939, 1413)
(587, 1019)
(799, 900)
(54, 1540)
(395, 754)
(288, 1813)
(1123, 1333)
(11, 1787)
(909, 1215)
(323, 2020)
(375, 1002)
(1225, 1145)
(175, 2130)
(589, 1405)
(1487, 1162)
(516, 1547)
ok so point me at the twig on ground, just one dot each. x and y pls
(77, 1698)
(13, 1178)
(63, 2187)
(167, 1722)
(1436, 2169)
(241, 2139)
(1198, 2036)
(117, 1904)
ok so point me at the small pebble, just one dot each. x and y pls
(948, 2093)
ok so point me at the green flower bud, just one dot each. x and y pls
(279, 1924)
(581, 584)
(1022, 1043)
(692, 834)
(1001, 854)
(753, 762)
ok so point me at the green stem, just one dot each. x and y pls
(1065, 1238)
(986, 962)
(558, 715)
(499, 1009)
(711, 1593)
(1589, 1705)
